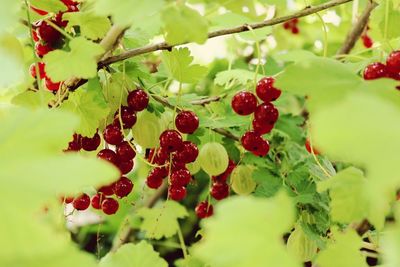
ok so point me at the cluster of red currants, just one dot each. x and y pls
(366, 39)
(122, 156)
(379, 70)
(219, 190)
(265, 114)
(291, 25)
(47, 38)
(173, 155)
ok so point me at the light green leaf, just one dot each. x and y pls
(80, 61)
(347, 191)
(49, 5)
(243, 7)
(127, 12)
(390, 246)
(251, 237)
(32, 99)
(12, 60)
(91, 25)
(162, 221)
(301, 246)
(89, 105)
(183, 24)
(134, 255)
(344, 251)
(178, 64)
(8, 14)
(235, 77)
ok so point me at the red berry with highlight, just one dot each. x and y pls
(96, 201)
(188, 153)
(375, 71)
(204, 210)
(109, 155)
(180, 177)
(393, 61)
(109, 206)
(42, 49)
(125, 151)
(171, 140)
(128, 117)
(138, 100)
(187, 122)
(91, 143)
(262, 127)
(125, 166)
(113, 135)
(123, 187)
(219, 190)
(266, 91)
(82, 202)
(251, 141)
(177, 192)
(266, 113)
(244, 103)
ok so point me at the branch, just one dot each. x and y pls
(243, 28)
(357, 30)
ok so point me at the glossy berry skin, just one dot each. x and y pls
(52, 86)
(123, 187)
(367, 41)
(109, 155)
(171, 140)
(187, 122)
(251, 141)
(180, 177)
(308, 147)
(160, 156)
(262, 127)
(244, 103)
(204, 210)
(128, 117)
(125, 151)
(42, 72)
(113, 135)
(138, 100)
(76, 143)
(125, 166)
(375, 71)
(91, 143)
(176, 192)
(47, 33)
(266, 113)
(188, 153)
(42, 49)
(82, 202)
(263, 149)
(109, 206)
(154, 180)
(96, 201)
(219, 190)
(266, 91)
(107, 190)
(393, 62)
(177, 165)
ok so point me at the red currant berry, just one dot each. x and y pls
(219, 190)
(266, 91)
(109, 206)
(70, 3)
(154, 179)
(123, 187)
(367, 41)
(107, 190)
(393, 61)
(375, 71)
(176, 192)
(160, 156)
(262, 127)
(52, 86)
(171, 140)
(39, 11)
(252, 141)
(67, 200)
(91, 143)
(266, 113)
(109, 155)
(113, 135)
(125, 166)
(125, 151)
(96, 201)
(42, 72)
(35, 37)
(188, 153)
(177, 165)
(75, 144)
(42, 49)
(187, 122)
(308, 147)
(204, 210)
(180, 177)
(82, 202)
(287, 25)
(47, 33)
(138, 100)
(263, 149)
(295, 30)
(244, 103)
(128, 117)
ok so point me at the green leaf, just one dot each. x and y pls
(80, 61)
(228, 230)
(126, 12)
(54, 6)
(190, 261)
(235, 77)
(32, 99)
(91, 26)
(183, 24)
(89, 105)
(291, 125)
(347, 192)
(301, 246)
(12, 60)
(134, 255)
(8, 14)
(179, 65)
(243, 7)
(344, 251)
(162, 221)
(390, 246)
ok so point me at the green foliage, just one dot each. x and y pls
(183, 24)
(162, 221)
(91, 26)
(50, 5)
(133, 255)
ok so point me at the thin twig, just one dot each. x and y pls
(242, 28)
(358, 28)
